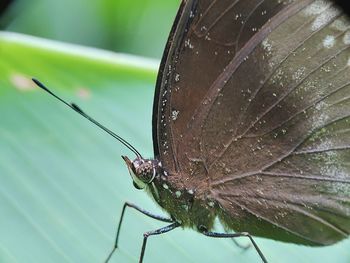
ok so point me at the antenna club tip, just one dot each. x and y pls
(36, 81)
(39, 84)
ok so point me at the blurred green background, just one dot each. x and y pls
(63, 183)
(137, 27)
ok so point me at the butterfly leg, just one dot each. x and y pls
(155, 232)
(127, 204)
(234, 235)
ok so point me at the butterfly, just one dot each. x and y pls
(251, 123)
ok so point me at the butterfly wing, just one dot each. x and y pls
(205, 38)
(256, 115)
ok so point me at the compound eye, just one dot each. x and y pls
(136, 186)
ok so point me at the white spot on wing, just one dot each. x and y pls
(320, 118)
(346, 38)
(174, 115)
(339, 25)
(316, 7)
(329, 41)
(267, 45)
(324, 18)
(177, 77)
(299, 73)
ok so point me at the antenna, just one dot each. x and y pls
(82, 113)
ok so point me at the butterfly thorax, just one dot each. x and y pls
(184, 205)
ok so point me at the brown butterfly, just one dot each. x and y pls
(251, 122)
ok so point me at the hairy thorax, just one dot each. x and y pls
(190, 207)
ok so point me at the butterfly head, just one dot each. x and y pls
(142, 171)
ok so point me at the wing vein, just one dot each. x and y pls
(292, 88)
(268, 77)
(244, 23)
(217, 19)
(294, 207)
(224, 180)
(301, 111)
(306, 177)
(340, 148)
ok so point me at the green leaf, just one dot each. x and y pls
(63, 183)
(108, 24)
